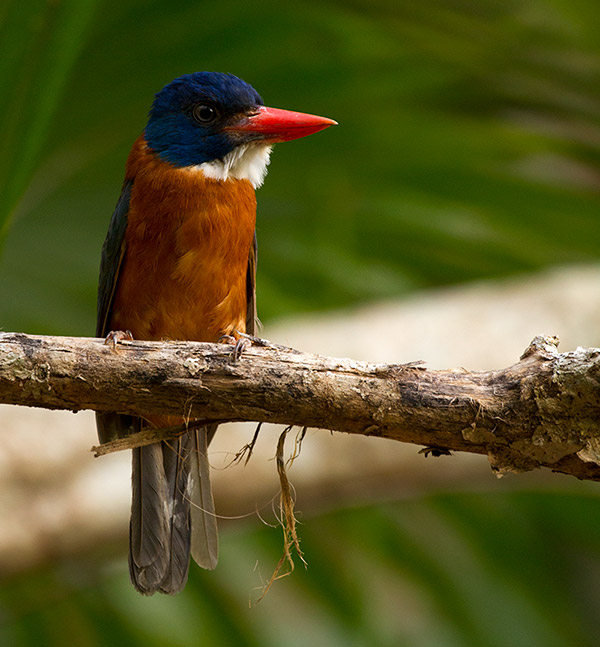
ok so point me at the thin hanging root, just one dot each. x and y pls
(287, 504)
(252, 443)
(246, 450)
(297, 445)
(286, 507)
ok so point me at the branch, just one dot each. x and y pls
(542, 411)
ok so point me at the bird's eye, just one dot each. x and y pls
(204, 113)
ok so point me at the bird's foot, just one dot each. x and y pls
(239, 344)
(254, 341)
(241, 341)
(115, 336)
(265, 343)
(244, 341)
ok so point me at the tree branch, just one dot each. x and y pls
(542, 411)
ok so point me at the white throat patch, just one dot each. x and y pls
(245, 162)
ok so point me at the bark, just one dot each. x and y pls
(543, 411)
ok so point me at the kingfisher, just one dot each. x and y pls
(179, 263)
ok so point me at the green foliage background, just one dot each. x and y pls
(468, 147)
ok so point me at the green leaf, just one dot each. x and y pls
(39, 44)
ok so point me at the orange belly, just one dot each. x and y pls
(188, 240)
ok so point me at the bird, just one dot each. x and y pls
(179, 263)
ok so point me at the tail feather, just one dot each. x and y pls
(176, 460)
(172, 513)
(149, 525)
(205, 539)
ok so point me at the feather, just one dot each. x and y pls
(251, 317)
(150, 525)
(177, 463)
(159, 555)
(113, 252)
(205, 540)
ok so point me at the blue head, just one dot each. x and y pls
(193, 119)
(202, 117)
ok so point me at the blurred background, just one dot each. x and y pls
(452, 216)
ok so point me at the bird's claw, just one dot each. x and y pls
(253, 341)
(115, 336)
(239, 345)
(241, 342)
(244, 342)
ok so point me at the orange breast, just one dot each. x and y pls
(188, 239)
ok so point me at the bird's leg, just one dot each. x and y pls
(115, 336)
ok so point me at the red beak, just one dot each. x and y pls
(274, 125)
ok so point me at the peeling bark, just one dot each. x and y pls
(543, 411)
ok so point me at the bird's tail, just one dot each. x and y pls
(172, 512)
